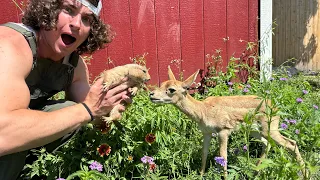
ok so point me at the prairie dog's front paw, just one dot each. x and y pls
(105, 86)
(134, 91)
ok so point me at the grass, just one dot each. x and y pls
(177, 149)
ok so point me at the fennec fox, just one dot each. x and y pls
(221, 115)
(137, 76)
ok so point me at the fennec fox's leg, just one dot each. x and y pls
(290, 144)
(223, 141)
(205, 151)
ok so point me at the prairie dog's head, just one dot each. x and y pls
(138, 73)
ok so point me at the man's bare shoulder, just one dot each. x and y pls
(81, 71)
(15, 65)
(14, 51)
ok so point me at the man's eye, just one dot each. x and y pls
(86, 20)
(68, 10)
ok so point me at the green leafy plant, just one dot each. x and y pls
(173, 141)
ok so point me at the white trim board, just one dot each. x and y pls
(265, 39)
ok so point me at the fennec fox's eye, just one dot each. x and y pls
(171, 90)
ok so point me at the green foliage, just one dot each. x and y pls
(177, 149)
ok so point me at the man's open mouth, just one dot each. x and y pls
(68, 39)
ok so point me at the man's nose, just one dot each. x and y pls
(76, 22)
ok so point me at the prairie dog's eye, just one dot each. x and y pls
(171, 90)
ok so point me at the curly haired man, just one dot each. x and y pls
(39, 58)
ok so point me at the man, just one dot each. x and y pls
(36, 66)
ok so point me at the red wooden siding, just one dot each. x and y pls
(169, 30)
(215, 28)
(237, 23)
(192, 41)
(168, 36)
(143, 27)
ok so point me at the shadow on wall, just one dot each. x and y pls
(309, 50)
(296, 32)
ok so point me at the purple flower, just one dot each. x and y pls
(96, 166)
(61, 179)
(147, 159)
(230, 83)
(245, 148)
(304, 91)
(248, 86)
(299, 100)
(221, 161)
(293, 121)
(297, 131)
(230, 89)
(283, 79)
(245, 90)
(284, 126)
(315, 106)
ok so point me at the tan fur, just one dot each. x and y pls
(220, 115)
(137, 76)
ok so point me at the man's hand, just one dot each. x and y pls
(101, 103)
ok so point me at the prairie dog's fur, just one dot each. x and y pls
(137, 76)
(222, 115)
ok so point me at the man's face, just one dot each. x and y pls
(73, 27)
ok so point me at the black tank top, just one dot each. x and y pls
(47, 77)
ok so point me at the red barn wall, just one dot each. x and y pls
(168, 31)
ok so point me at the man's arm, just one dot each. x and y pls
(80, 87)
(21, 128)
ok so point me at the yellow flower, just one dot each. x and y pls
(130, 158)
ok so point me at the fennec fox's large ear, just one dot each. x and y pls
(188, 82)
(170, 74)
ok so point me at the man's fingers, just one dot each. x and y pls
(118, 89)
(116, 97)
(127, 99)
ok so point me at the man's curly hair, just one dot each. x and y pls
(44, 14)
